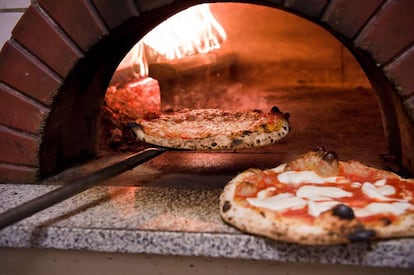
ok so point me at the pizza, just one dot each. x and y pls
(212, 129)
(319, 200)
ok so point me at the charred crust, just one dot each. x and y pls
(275, 110)
(246, 133)
(330, 156)
(343, 212)
(257, 111)
(286, 116)
(132, 126)
(226, 206)
(262, 214)
(151, 115)
(319, 149)
(213, 144)
(360, 234)
(236, 142)
(385, 221)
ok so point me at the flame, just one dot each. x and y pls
(192, 31)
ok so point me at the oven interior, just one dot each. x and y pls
(269, 57)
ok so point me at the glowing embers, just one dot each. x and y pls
(123, 104)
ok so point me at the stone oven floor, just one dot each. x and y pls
(170, 221)
(169, 205)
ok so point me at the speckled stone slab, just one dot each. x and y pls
(169, 221)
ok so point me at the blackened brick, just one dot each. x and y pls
(348, 17)
(389, 32)
(312, 8)
(400, 71)
(115, 13)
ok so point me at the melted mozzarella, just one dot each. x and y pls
(380, 182)
(316, 208)
(356, 184)
(375, 193)
(387, 190)
(265, 193)
(279, 202)
(280, 168)
(319, 199)
(396, 208)
(321, 192)
(297, 177)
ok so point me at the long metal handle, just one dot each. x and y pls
(33, 206)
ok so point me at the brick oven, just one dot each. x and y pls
(53, 76)
(56, 73)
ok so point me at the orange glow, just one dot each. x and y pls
(192, 31)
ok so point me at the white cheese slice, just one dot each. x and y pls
(380, 182)
(279, 202)
(296, 177)
(387, 190)
(356, 184)
(321, 192)
(396, 208)
(280, 168)
(265, 193)
(316, 208)
(373, 192)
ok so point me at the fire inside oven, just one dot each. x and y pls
(245, 57)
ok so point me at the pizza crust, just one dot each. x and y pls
(265, 223)
(216, 142)
(212, 129)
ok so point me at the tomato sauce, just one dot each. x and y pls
(404, 189)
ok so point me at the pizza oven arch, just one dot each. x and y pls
(52, 69)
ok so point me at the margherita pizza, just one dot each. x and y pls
(318, 199)
(212, 129)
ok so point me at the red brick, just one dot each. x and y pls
(23, 72)
(409, 103)
(145, 5)
(348, 17)
(312, 8)
(400, 72)
(45, 41)
(88, 28)
(389, 32)
(19, 112)
(17, 174)
(115, 13)
(18, 148)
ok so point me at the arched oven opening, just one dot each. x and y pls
(259, 57)
(68, 82)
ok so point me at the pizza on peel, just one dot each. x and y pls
(212, 129)
(319, 200)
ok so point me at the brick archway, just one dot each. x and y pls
(53, 77)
